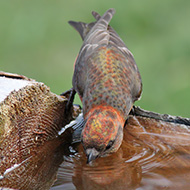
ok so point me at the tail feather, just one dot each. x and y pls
(99, 34)
(96, 15)
(79, 26)
(114, 38)
(82, 28)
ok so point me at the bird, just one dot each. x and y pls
(108, 83)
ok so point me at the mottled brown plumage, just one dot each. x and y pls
(108, 82)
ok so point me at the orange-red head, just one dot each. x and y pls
(103, 132)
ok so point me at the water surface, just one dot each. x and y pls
(154, 155)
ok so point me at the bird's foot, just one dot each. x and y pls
(70, 95)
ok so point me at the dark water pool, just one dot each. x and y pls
(151, 157)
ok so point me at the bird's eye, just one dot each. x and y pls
(109, 144)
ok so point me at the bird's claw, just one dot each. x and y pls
(69, 94)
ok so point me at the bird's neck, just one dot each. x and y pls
(106, 111)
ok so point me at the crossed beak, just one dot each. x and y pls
(91, 154)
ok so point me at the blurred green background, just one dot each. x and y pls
(36, 41)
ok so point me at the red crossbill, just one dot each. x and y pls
(108, 82)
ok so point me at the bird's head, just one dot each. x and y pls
(102, 133)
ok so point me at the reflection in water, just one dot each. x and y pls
(154, 155)
(110, 172)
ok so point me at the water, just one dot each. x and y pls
(152, 156)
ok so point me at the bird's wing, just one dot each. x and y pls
(96, 36)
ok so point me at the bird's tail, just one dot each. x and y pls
(94, 32)
(114, 38)
(82, 28)
(99, 34)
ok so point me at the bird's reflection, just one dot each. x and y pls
(153, 154)
(111, 172)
